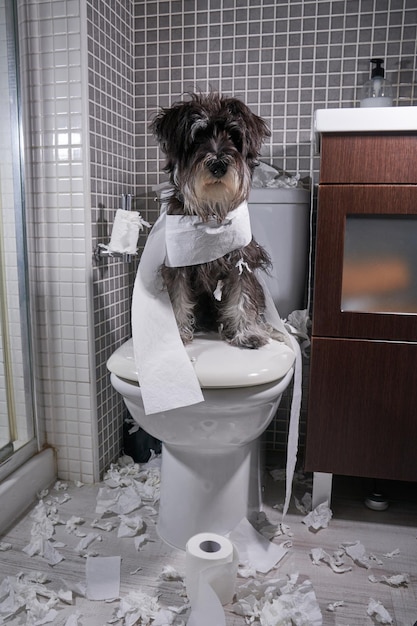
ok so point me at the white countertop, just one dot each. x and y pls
(383, 119)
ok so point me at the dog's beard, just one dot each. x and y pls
(208, 196)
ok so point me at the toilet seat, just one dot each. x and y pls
(217, 363)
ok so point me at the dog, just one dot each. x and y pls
(212, 144)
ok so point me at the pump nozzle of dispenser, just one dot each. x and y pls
(376, 92)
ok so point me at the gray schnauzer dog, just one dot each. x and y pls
(212, 144)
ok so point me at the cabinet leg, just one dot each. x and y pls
(322, 488)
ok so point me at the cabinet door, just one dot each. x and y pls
(366, 262)
(362, 414)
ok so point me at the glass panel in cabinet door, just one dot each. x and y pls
(380, 264)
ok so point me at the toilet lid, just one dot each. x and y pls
(217, 363)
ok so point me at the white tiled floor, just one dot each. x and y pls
(380, 533)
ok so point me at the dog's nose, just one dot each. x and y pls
(218, 168)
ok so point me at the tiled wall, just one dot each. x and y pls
(285, 59)
(89, 142)
(58, 223)
(111, 91)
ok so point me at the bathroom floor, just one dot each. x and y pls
(68, 515)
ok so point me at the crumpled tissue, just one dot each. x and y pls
(376, 609)
(44, 520)
(266, 175)
(356, 551)
(278, 602)
(29, 593)
(319, 517)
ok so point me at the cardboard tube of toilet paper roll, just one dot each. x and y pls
(211, 563)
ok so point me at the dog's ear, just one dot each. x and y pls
(175, 129)
(254, 127)
(164, 127)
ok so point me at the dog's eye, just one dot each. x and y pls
(236, 137)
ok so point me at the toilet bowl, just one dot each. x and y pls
(210, 473)
(210, 476)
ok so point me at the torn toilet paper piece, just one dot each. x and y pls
(356, 551)
(85, 542)
(136, 607)
(319, 517)
(396, 580)
(300, 324)
(390, 555)
(103, 577)
(305, 504)
(335, 562)
(255, 551)
(379, 612)
(130, 526)
(44, 520)
(335, 605)
(120, 501)
(278, 602)
(170, 573)
(125, 232)
(268, 176)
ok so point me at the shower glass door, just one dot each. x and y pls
(17, 423)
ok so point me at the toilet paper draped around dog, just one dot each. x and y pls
(211, 563)
(165, 372)
(189, 241)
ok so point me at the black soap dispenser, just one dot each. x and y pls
(377, 92)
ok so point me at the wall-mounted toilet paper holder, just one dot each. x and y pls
(102, 250)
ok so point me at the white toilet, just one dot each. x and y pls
(210, 474)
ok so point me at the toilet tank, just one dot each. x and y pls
(280, 220)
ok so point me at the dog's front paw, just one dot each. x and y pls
(249, 340)
(186, 334)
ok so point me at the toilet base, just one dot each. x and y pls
(207, 493)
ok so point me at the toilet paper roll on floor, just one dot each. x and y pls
(211, 563)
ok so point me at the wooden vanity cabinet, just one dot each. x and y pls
(362, 412)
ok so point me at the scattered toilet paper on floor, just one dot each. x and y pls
(254, 549)
(319, 517)
(274, 602)
(44, 520)
(136, 607)
(29, 593)
(103, 577)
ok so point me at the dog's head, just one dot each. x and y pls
(212, 143)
